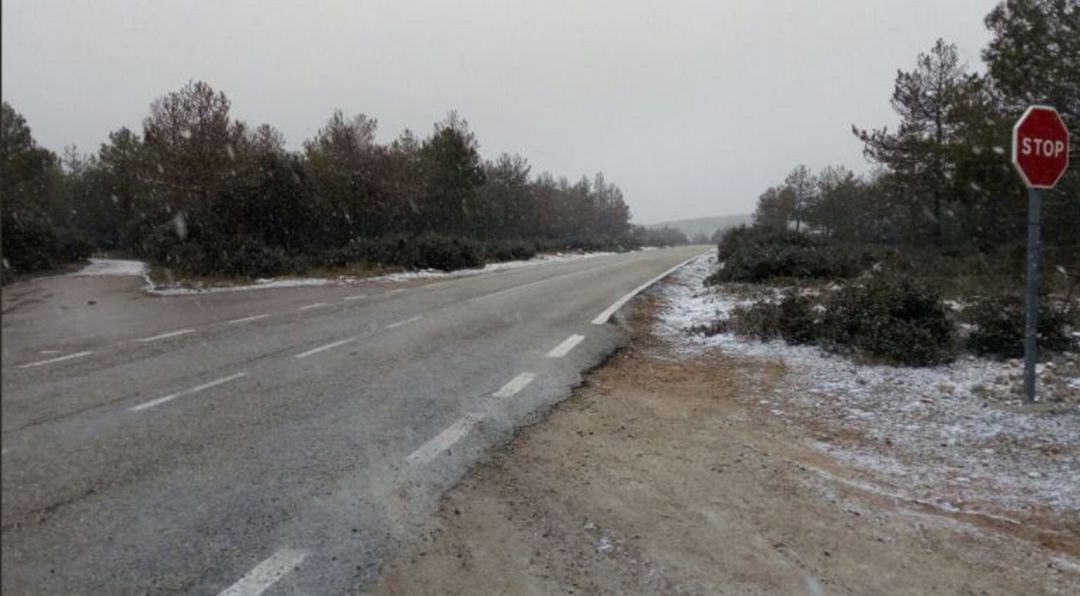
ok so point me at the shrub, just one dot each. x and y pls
(31, 242)
(798, 325)
(427, 251)
(891, 319)
(510, 250)
(249, 257)
(999, 326)
(792, 318)
(760, 319)
(447, 253)
(757, 255)
(731, 240)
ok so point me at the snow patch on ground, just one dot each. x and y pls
(932, 432)
(112, 267)
(504, 266)
(298, 282)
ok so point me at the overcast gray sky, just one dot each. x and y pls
(693, 108)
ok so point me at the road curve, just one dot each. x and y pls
(272, 441)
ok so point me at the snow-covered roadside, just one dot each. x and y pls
(130, 267)
(940, 435)
(111, 267)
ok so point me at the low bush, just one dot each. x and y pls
(792, 319)
(510, 250)
(760, 320)
(427, 251)
(756, 255)
(731, 240)
(250, 258)
(31, 242)
(999, 326)
(448, 253)
(798, 323)
(890, 319)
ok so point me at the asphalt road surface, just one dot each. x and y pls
(274, 441)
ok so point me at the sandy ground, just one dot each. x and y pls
(663, 474)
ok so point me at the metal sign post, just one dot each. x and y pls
(1040, 152)
(1031, 318)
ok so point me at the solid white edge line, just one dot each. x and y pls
(311, 306)
(444, 440)
(516, 384)
(323, 348)
(196, 389)
(266, 574)
(405, 322)
(604, 316)
(248, 319)
(564, 348)
(166, 335)
(57, 359)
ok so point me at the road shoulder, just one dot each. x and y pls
(661, 475)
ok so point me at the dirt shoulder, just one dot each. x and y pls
(664, 474)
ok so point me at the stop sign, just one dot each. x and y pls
(1040, 147)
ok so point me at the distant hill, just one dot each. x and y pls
(704, 225)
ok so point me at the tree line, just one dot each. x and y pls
(943, 177)
(207, 193)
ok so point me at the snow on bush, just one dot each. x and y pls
(953, 435)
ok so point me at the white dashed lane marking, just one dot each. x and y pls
(57, 359)
(405, 322)
(515, 385)
(203, 387)
(266, 574)
(311, 306)
(354, 297)
(564, 348)
(444, 440)
(328, 346)
(176, 333)
(248, 319)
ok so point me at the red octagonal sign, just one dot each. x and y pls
(1040, 147)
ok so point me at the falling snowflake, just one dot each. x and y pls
(180, 225)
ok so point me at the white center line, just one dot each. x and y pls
(57, 359)
(248, 319)
(328, 346)
(266, 574)
(355, 297)
(311, 306)
(516, 384)
(564, 348)
(203, 387)
(444, 440)
(167, 335)
(405, 322)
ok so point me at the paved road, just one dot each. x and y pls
(271, 441)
